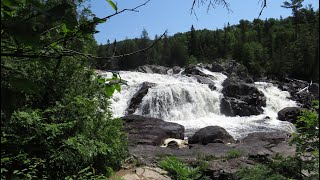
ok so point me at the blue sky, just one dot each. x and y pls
(174, 16)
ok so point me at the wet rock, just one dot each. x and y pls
(193, 70)
(150, 131)
(153, 69)
(300, 91)
(211, 134)
(290, 114)
(314, 89)
(138, 96)
(205, 80)
(241, 99)
(217, 67)
(176, 69)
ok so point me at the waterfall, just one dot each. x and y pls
(181, 99)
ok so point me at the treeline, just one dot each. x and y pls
(271, 47)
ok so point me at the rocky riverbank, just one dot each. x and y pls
(151, 139)
(212, 143)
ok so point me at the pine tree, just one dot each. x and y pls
(192, 43)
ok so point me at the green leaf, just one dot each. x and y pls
(117, 87)
(64, 28)
(112, 5)
(101, 80)
(109, 90)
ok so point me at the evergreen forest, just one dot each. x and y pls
(284, 47)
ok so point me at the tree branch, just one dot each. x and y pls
(34, 55)
(211, 3)
(94, 22)
(264, 5)
(70, 52)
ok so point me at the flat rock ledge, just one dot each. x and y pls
(143, 173)
(255, 148)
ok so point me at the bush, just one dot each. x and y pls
(233, 153)
(179, 170)
(259, 172)
(74, 132)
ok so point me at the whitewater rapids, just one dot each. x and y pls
(181, 99)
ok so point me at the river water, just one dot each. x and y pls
(181, 99)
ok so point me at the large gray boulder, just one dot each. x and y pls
(291, 114)
(211, 134)
(150, 131)
(241, 99)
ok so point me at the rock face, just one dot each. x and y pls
(295, 88)
(314, 89)
(205, 80)
(217, 67)
(290, 114)
(176, 69)
(153, 69)
(138, 96)
(241, 99)
(193, 70)
(233, 69)
(265, 144)
(150, 131)
(211, 134)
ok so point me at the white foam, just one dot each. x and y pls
(181, 99)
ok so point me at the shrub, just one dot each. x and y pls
(179, 170)
(259, 172)
(233, 153)
(75, 132)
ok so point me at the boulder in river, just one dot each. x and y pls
(138, 96)
(211, 134)
(291, 114)
(150, 131)
(241, 99)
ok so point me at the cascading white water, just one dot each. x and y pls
(181, 99)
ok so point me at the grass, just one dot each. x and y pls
(233, 153)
